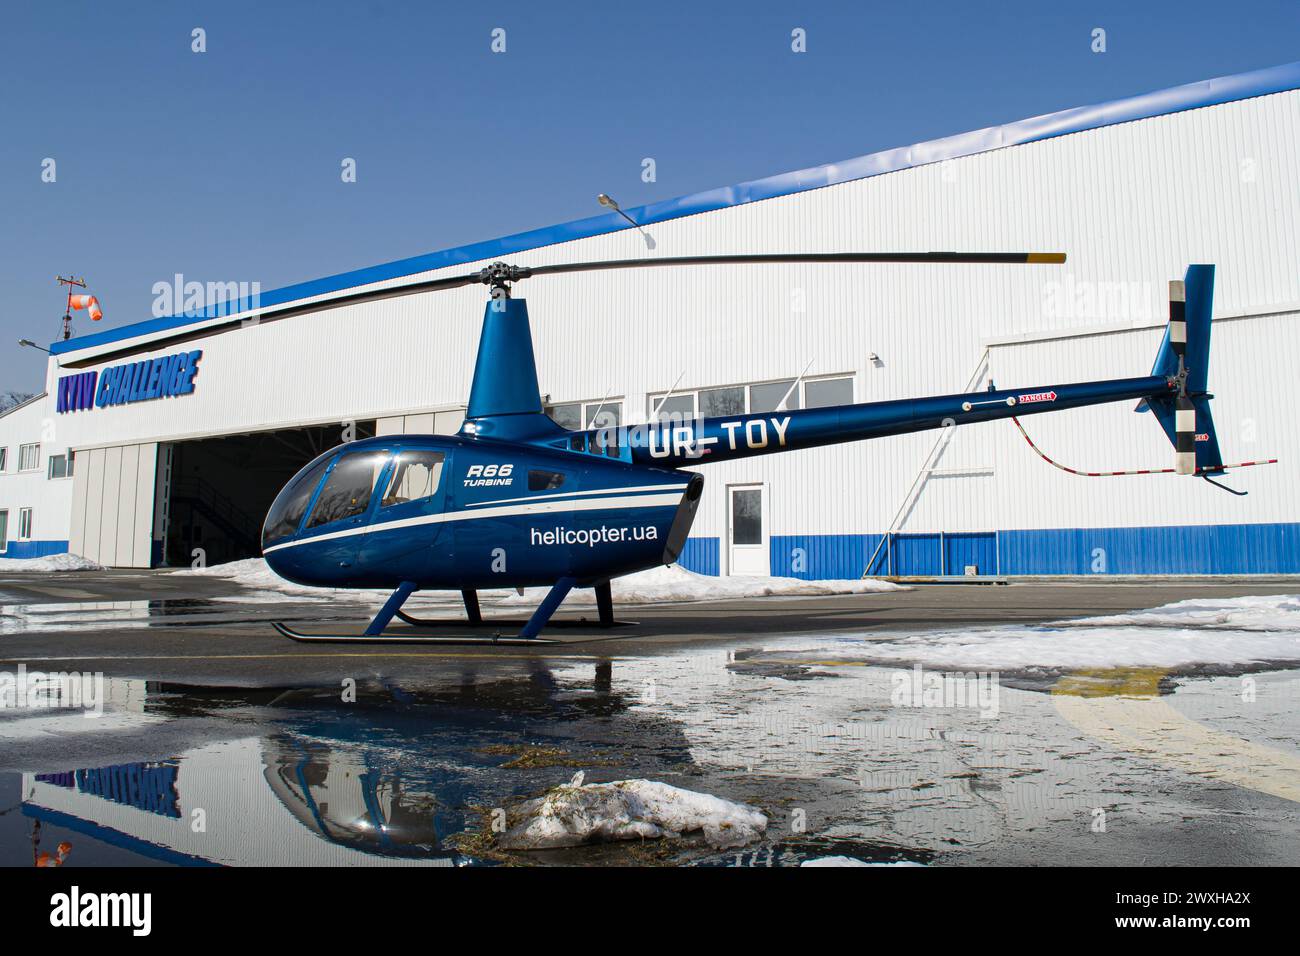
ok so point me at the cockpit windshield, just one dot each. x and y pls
(346, 492)
(291, 503)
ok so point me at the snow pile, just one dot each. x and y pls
(673, 584)
(628, 810)
(51, 562)
(657, 585)
(1232, 632)
(1270, 612)
(256, 575)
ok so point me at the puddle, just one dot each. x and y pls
(408, 772)
(90, 616)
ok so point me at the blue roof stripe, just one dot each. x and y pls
(1276, 79)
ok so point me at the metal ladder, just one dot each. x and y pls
(926, 470)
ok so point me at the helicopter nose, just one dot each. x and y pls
(282, 563)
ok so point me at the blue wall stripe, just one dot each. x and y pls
(1188, 549)
(1183, 549)
(1194, 549)
(33, 549)
(821, 556)
(979, 548)
(700, 555)
(1190, 96)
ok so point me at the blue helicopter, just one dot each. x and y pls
(514, 500)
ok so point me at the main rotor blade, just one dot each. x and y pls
(499, 273)
(374, 295)
(1011, 258)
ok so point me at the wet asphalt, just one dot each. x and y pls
(210, 710)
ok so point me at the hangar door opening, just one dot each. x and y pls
(214, 492)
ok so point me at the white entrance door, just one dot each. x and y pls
(746, 530)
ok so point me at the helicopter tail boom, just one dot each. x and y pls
(700, 441)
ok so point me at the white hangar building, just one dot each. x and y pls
(1132, 190)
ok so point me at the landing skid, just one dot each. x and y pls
(474, 616)
(446, 640)
(509, 622)
(374, 632)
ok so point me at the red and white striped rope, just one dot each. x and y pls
(1137, 471)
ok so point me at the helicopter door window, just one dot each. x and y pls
(544, 480)
(348, 488)
(416, 475)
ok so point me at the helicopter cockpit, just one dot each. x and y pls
(339, 487)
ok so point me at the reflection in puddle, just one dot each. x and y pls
(385, 780)
(132, 615)
(297, 775)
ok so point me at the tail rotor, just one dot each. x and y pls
(1184, 360)
(1185, 410)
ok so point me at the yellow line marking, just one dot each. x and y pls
(1139, 721)
(1124, 709)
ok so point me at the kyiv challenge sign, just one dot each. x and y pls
(133, 382)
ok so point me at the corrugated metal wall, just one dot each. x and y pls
(1132, 204)
(113, 505)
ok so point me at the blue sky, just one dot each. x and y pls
(225, 165)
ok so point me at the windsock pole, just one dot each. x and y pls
(70, 282)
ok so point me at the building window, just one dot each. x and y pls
(4, 530)
(677, 406)
(827, 391)
(768, 396)
(59, 466)
(575, 416)
(753, 399)
(29, 457)
(4, 459)
(25, 524)
(716, 402)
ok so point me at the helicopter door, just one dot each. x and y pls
(413, 493)
(338, 514)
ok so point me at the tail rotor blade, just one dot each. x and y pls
(1185, 411)
(1178, 317)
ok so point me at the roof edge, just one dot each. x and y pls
(23, 404)
(1177, 99)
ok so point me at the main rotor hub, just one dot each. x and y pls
(499, 273)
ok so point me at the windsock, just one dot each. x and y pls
(87, 302)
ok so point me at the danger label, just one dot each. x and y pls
(1033, 397)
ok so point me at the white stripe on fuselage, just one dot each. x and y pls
(543, 507)
(575, 494)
